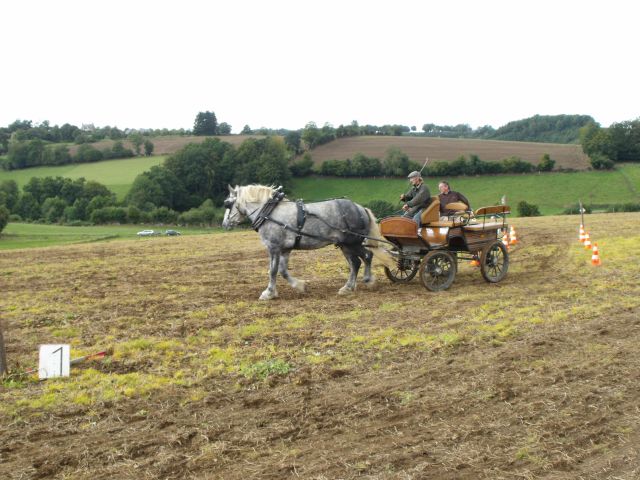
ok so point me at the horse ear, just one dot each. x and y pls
(231, 190)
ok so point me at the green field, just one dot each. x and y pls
(117, 175)
(27, 235)
(552, 192)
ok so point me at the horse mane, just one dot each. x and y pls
(254, 194)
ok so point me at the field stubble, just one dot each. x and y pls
(534, 377)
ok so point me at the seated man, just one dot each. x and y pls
(417, 198)
(449, 196)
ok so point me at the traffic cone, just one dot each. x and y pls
(505, 240)
(581, 236)
(587, 241)
(513, 239)
(595, 256)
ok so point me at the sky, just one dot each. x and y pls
(283, 64)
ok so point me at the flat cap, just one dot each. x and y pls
(414, 174)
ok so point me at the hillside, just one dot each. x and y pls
(418, 148)
(535, 377)
(169, 144)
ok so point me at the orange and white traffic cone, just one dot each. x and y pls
(513, 239)
(595, 256)
(505, 240)
(587, 241)
(581, 236)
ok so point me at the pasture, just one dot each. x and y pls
(533, 377)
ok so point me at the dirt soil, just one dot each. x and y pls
(535, 377)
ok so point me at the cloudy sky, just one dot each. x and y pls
(282, 64)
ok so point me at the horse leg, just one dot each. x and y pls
(299, 285)
(369, 278)
(354, 265)
(271, 291)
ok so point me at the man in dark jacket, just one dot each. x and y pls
(449, 196)
(417, 198)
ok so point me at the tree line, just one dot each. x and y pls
(396, 163)
(606, 146)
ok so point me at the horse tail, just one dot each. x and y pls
(374, 245)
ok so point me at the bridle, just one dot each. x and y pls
(230, 215)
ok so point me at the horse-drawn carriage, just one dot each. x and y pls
(434, 249)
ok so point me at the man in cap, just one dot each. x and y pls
(417, 198)
(448, 196)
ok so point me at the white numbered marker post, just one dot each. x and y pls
(55, 361)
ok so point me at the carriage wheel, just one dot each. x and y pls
(404, 271)
(494, 262)
(437, 271)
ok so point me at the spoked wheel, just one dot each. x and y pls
(404, 270)
(494, 262)
(437, 271)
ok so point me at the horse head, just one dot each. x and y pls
(232, 214)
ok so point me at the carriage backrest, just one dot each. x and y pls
(496, 209)
(432, 212)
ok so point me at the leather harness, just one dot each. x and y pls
(301, 218)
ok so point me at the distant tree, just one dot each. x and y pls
(158, 186)
(224, 129)
(396, 163)
(311, 135)
(262, 161)
(246, 130)
(136, 140)
(205, 124)
(546, 163)
(302, 167)
(4, 217)
(600, 162)
(27, 207)
(293, 141)
(118, 150)
(86, 153)
(148, 147)
(625, 141)
(9, 194)
(52, 209)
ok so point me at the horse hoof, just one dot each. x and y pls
(301, 286)
(346, 291)
(370, 283)
(267, 295)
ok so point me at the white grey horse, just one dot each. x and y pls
(284, 225)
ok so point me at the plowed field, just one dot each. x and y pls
(537, 376)
(449, 149)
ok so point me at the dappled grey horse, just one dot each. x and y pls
(284, 226)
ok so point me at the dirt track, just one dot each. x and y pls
(535, 377)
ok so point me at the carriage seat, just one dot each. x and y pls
(431, 215)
